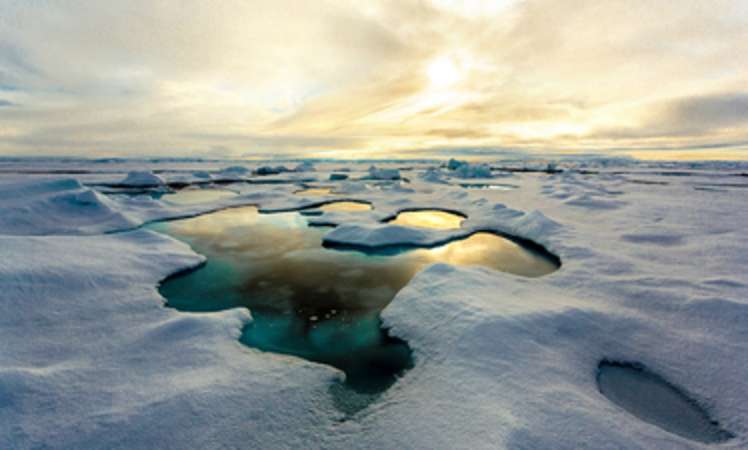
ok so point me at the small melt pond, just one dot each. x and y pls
(441, 220)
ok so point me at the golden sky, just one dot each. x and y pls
(354, 79)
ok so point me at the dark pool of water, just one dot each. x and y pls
(318, 303)
(652, 399)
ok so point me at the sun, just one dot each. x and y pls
(443, 72)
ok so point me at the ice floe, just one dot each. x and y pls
(651, 272)
(142, 179)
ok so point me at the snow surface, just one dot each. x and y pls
(464, 169)
(142, 178)
(376, 173)
(653, 272)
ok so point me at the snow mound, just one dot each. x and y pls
(383, 174)
(482, 340)
(241, 170)
(379, 235)
(142, 179)
(464, 169)
(532, 226)
(352, 187)
(233, 173)
(271, 170)
(454, 164)
(433, 176)
(57, 207)
(305, 166)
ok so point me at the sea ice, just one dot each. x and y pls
(142, 179)
(91, 359)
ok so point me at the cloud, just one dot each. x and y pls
(103, 77)
(706, 113)
(713, 121)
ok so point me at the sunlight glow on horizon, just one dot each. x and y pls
(246, 78)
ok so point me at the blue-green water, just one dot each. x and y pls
(313, 302)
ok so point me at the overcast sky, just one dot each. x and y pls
(247, 78)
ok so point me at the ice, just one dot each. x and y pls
(433, 175)
(271, 170)
(649, 397)
(454, 164)
(534, 226)
(473, 171)
(304, 166)
(464, 169)
(652, 271)
(237, 173)
(374, 236)
(91, 359)
(61, 206)
(142, 179)
(383, 174)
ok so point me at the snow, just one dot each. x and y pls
(652, 273)
(236, 173)
(473, 171)
(464, 169)
(142, 179)
(60, 206)
(92, 360)
(433, 175)
(271, 170)
(383, 174)
(534, 226)
(239, 170)
(305, 166)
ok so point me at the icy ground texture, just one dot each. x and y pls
(653, 272)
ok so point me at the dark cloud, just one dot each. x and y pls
(704, 113)
(687, 117)
(6, 103)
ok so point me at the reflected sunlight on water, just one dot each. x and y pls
(345, 207)
(314, 302)
(441, 220)
(315, 192)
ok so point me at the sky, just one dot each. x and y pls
(373, 79)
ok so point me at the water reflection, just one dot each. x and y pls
(345, 206)
(315, 192)
(441, 220)
(313, 302)
(196, 195)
